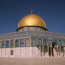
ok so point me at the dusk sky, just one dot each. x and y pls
(51, 11)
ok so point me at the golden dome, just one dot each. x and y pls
(32, 20)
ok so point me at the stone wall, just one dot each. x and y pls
(41, 51)
(19, 52)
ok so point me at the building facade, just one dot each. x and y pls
(32, 40)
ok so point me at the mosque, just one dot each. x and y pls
(32, 40)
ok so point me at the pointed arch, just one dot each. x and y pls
(21, 42)
(7, 44)
(12, 43)
(16, 43)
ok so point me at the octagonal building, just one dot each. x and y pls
(32, 40)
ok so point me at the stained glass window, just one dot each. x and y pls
(35, 28)
(63, 43)
(16, 43)
(34, 42)
(11, 43)
(28, 28)
(7, 43)
(28, 42)
(21, 42)
(3, 44)
(22, 29)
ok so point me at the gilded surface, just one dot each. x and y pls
(32, 20)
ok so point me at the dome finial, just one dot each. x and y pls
(31, 11)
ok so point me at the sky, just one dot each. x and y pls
(51, 11)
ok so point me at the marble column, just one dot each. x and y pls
(55, 51)
(51, 51)
(64, 51)
(42, 51)
(59, 51)
(39, 52)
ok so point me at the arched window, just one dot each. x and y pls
(12, 43)
(28, 28)
(22, 29)
(28, 42)
(16, 43)
(36, 29)
(7, 43)
(34, 42)
(41, 29)
(3, 44)
(45, 42)
(39, 42)
(21, 43)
